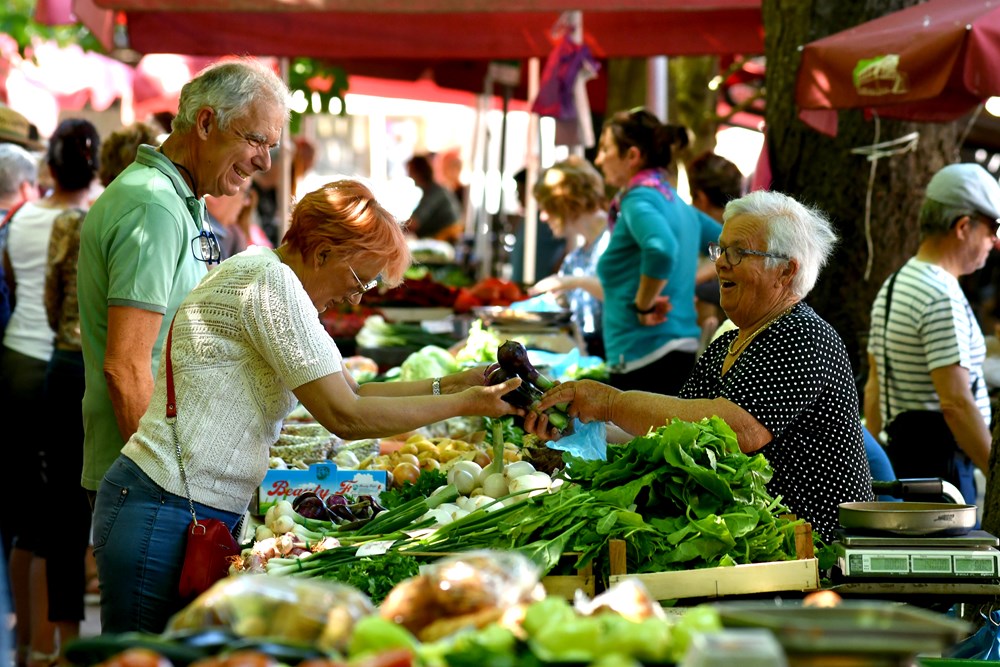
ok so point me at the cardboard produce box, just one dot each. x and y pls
(323, 479)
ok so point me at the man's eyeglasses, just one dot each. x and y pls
(363, 287)
(734, 255)
(205, 247)
(257, 141)
(993, 224)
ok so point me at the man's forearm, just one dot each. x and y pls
(971, 434)
(130, 393)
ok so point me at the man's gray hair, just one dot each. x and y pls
(792, 230)
(230, 88)
(936, 218)
(16, 166)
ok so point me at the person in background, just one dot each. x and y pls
(66, 576)
(649, 266)
(26, 392)
(118, 150)
(782, 381)
(448, 172)
(18, 184)
(15, 130)
(549, 249)
(925, 346)
(246, 345)
(437, 214)
(713, 181)
(570, 195)
(145, 243)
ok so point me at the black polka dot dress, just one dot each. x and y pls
(795, 379)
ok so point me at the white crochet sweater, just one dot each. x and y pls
(243, 339)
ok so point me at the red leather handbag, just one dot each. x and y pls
(207, 556)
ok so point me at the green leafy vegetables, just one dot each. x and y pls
(681, 497)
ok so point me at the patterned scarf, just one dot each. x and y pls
(647, 178)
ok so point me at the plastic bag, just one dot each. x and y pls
(468, 590)
(983, 645)
(587, 441)
(285, 608)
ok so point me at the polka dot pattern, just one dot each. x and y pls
(795, 378)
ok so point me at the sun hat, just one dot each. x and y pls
(16, 129)
(966, 185)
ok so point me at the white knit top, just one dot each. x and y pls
(243, 339)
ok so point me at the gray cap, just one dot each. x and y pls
(966, 185)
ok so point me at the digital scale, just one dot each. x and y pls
(973, 557)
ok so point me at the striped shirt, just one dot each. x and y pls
(931, 326)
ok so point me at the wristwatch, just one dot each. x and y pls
(642, 311)
(436, 387)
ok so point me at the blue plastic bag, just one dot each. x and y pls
(588, 441)
(983, 645)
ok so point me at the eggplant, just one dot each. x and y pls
(361, 509)
(522, 397)
(375, 505)
(513, 357)
(312, 507)
(341, 514)
(335, 499)
(513, 360)
(299, 499)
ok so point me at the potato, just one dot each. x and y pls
(425, 446)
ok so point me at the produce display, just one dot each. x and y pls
(488, 292)
(474, 609)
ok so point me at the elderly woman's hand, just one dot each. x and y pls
(588, 400)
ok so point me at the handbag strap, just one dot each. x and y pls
(885, 346)
(172, 419)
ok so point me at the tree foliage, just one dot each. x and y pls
(17, 19)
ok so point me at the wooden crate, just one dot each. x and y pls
(565, 586)
(792, 575)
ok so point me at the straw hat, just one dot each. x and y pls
(15, 128)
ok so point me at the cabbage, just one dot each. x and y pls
(429, 361)
(480, 346)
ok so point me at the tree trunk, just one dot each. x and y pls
(822, 171)
(691, 102)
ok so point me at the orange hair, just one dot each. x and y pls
(346, 215)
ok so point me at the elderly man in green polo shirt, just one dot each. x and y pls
(145, 242)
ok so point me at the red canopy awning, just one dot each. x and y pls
(452, 29)
(930, 62)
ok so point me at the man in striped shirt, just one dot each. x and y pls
(926, 394)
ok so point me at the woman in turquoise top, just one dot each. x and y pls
(650, 324)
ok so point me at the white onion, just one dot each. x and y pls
(518, 468)
(535, 482)
(471, 467)
(495, 485)
(464, 481)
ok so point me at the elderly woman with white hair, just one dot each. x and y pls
(782, 380)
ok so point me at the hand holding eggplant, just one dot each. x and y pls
(512, 361)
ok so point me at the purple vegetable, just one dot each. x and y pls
(335, 499)
(312, 507)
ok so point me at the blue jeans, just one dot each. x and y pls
(139, 541)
